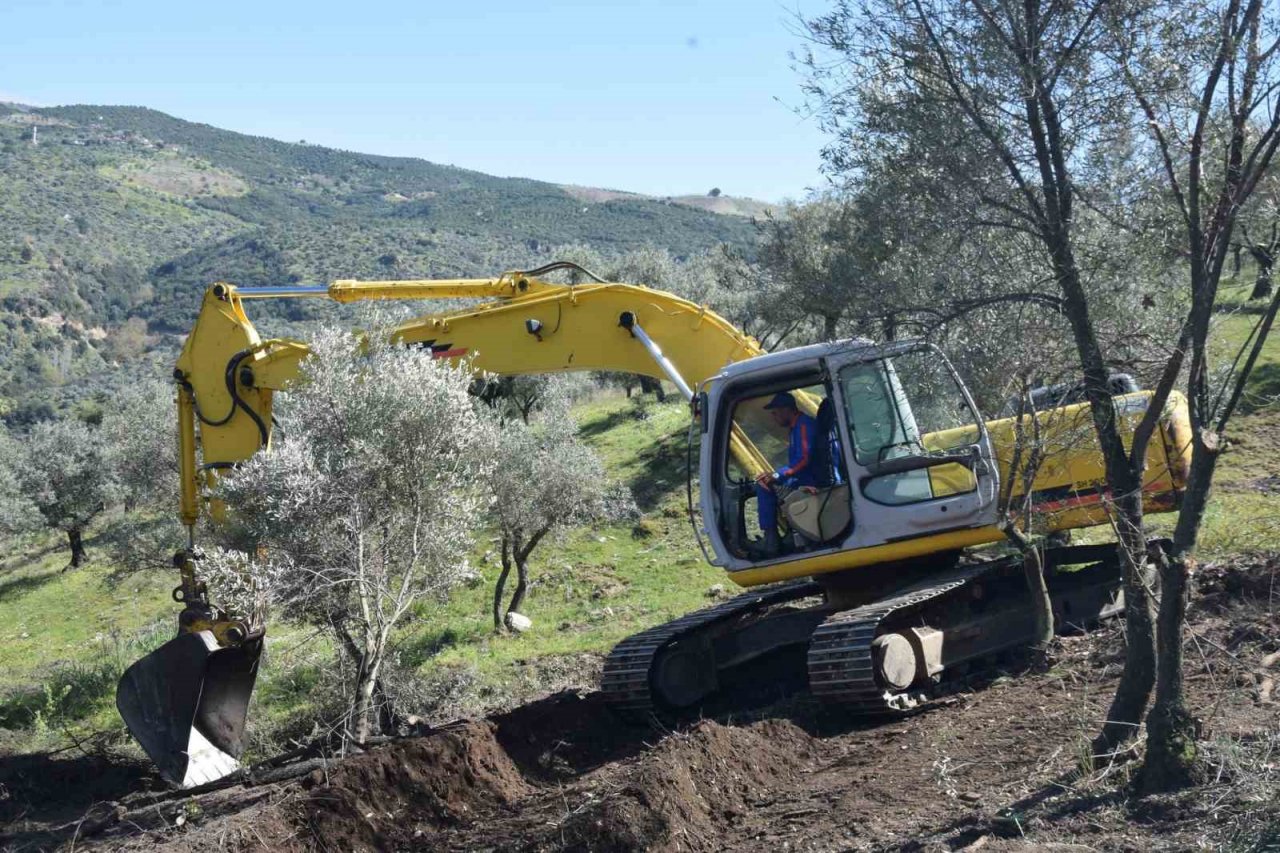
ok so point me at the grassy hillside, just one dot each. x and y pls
(112, 214)
(121, 215)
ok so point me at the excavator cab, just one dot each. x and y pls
(901, 451)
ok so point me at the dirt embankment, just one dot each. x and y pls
(996, 768)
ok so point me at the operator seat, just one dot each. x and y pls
(825, 513)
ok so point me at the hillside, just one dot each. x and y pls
(718, 203)
(995, 761)
(117, 214)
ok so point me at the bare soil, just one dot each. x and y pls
(996, 766)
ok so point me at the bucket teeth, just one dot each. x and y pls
(186, 702)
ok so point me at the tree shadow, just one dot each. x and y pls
(599, 426)
(1263, 390)
(46, 792)
(26, 558)
(423, 646)
(16, 587)
(1012, 821)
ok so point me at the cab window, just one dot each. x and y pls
(909, 405)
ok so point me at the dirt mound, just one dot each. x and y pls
(1225, 584)
(388, 797)
(695, 784)
(565, 735)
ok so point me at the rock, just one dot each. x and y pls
(518, 622)
(715, 590)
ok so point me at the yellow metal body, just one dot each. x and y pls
(576, 328)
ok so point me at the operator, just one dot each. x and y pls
(799, 471)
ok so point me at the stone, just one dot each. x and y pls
(518, 622)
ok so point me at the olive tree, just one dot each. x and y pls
(828, 257)
(512, 397)
(544, 480)
(17, 513)
(365, 507)
(65, 472)
(1036, 119)
(1002, 115)
(139, 427)
(1204, 83)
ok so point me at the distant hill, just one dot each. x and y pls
(723, 204)
(113, 219)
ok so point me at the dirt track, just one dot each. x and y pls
(991, 768)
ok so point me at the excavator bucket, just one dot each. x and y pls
(186, 702)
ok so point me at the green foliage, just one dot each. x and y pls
(66, 473)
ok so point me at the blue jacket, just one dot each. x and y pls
(799, 470)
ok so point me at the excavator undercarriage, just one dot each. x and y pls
(907, 644)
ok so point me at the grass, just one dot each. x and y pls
(48, 615)
(66, 638)
(1241, 515)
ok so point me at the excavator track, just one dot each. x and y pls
(841, 657)
(951, 620)
(627, 682)
(842, 664)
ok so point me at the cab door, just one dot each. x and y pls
(918, 451)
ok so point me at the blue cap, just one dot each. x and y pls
(782, 400)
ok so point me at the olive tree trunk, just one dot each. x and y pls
(367, 658)
(499, 588)
(1130, 701)
(515, 552)
(75, 538)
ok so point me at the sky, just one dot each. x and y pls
(657, 97)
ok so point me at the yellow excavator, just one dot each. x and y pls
(873, 588)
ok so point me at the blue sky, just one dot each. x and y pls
(657, 97)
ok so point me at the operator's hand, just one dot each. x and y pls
(766, 479)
